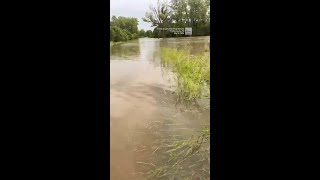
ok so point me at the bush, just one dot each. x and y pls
(123, 29)
(117, 34)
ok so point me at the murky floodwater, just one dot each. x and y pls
(142, 105)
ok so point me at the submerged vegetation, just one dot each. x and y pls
(174, 149)
(192, 73)
(174, 155)
(177, 157)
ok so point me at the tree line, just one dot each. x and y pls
(178, 14)
(123, 28)
(164, 14)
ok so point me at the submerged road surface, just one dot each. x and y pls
(140, 95)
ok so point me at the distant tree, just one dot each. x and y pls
(158, 15)
(142, 33)
(180, 14)
(123, 28)
(149, 33)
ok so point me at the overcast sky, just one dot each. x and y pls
(131, 8)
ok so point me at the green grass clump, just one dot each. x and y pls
(177, 157)
(192, 73)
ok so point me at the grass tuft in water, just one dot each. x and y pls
(179, 158)
(192, 73)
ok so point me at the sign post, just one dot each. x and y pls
(188, 31)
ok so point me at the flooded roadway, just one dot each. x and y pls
(142, 103)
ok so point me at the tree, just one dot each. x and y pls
(142, 33)
(118, 34)
(149, 34)
(158, 15)
(123, 28)
(180, 14)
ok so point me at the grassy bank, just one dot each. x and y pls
(192, 73)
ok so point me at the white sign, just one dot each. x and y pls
(188, 31)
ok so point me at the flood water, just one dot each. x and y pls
(142, 105)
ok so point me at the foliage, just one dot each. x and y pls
(192, 72)
(158, 15)
(178, 157)
(123, 28)
(180, 14)
(142, 33)
(149, 33)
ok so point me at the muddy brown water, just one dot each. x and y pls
(142, 103)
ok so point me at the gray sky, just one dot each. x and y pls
(131, 8)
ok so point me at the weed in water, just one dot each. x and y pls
(192, 73)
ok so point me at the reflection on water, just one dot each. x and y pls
(126, 51)
(142, 105)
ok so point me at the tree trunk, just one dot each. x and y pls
(163, 34)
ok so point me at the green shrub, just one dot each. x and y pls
(118, 34)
